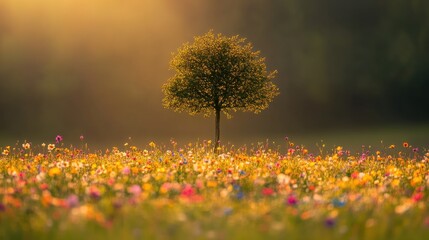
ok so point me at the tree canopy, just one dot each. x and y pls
(217, 74)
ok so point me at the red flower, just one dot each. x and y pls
(44, 186)
(189, 194)
(267, 191)
(417, 196)
(188, 191)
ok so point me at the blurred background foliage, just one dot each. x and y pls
(96, 67)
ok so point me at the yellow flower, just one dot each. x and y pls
(152, 144)
(211, 183)
(145, 152)
(395, 183)
(54, 171)
(416, 180)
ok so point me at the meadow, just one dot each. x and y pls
(189, 191)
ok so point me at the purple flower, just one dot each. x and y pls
(330, 222)
(58, 138)
(72, 201)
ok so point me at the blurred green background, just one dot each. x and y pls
(357, 69)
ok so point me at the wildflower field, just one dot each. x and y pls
(55, 191)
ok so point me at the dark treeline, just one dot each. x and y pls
(98, 69)
(347, 62)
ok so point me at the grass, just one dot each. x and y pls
(180, 192)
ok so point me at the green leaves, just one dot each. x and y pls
(218, 72)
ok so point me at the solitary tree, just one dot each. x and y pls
(217, 74)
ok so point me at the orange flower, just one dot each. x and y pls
(405, 145)
(5, 152)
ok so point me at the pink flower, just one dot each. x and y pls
(111, 181)
(135, 190)
(126, 170)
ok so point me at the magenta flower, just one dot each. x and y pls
(58, 138)
(292, 200)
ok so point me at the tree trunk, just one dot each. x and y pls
(217, 129)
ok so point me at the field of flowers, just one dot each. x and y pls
(55, 191)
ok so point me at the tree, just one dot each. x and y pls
(217, 74)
